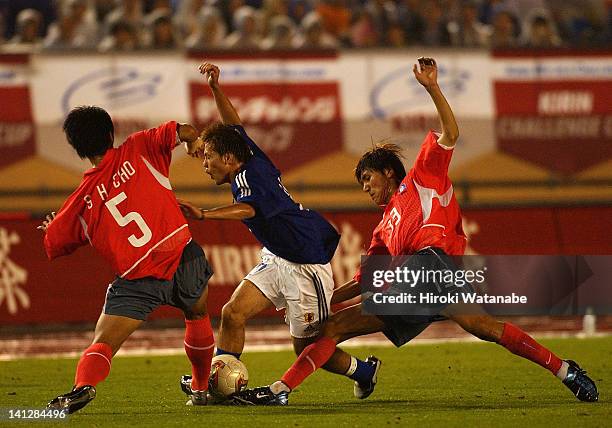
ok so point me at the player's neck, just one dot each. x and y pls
(95, 160)
(234, 172)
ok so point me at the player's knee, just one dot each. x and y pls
(196, 312)
(332, 328)
(483, 327)
(231, 315)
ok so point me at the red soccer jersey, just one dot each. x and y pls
(125, 209)
(423, 212)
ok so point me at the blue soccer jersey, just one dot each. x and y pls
(281, 225)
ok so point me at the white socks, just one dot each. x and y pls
(352, 367)
(279, 386)
(562, 373)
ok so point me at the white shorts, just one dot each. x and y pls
(304, 290)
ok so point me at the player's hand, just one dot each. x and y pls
(426, 72)
(190, 210)
(194, 148)
(212, 72)
(45, 224)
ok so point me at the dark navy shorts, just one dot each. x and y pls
(138, 298)
(400, 329)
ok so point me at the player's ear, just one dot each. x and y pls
(389, 173)
(228, 158)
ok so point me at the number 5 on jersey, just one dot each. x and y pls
(124, 220)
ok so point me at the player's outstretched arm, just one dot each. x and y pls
(427, 75)
(189, 135)
(228, 113)
(240, 211)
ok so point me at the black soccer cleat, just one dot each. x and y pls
(196, 398)
(261, 396)
(364, 390)
(74, 400)
(579, 383)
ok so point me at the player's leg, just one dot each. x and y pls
(199, 346)
(95, 362)
(246, 302)
(190, 294)
(308, 292)
(338, 363)
(348, 323)
(364, 373)
(473, 319)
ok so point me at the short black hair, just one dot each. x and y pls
(381, 157)
(227, 139)
(89, 130)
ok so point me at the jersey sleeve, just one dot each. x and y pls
(67, 232)
(157, 145)
(431, 165)
(254, 189)
(257, 152)
(377, 247)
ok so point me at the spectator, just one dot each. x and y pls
(101, 9)
(158, 6)
(130, 11)
(28, 26)
(122, 37)
(411, 20)
(281, 34)
(504, 31)
(468, 31)
(538, 32)
(228, 11)
(188, 16)
(76, 27)
(396, 37)
(246, 33)
(210, 31)
(435, 32)
(382, 13)
(581, 22)
(161, 31)
(313, 36)
(298, 9)
(364, 33)
(335, 17)
(271, 9)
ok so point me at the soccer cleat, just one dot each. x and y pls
(364, 390)
(196, 398)
(579, 383)
(261, 396)
(74, 400)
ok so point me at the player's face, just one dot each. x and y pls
(378, 185)
(214, 165)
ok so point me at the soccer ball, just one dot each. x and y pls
(227, 375)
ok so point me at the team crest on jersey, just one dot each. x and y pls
(402, 188)
(308, 317)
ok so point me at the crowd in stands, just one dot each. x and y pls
(128, 25)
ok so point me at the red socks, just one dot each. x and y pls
(199, 346)
(94, 365)
(312, 357)
(520, 343)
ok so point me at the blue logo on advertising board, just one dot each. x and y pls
(399, 91)
(112, 87)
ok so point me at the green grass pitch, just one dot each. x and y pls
(454, 384)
